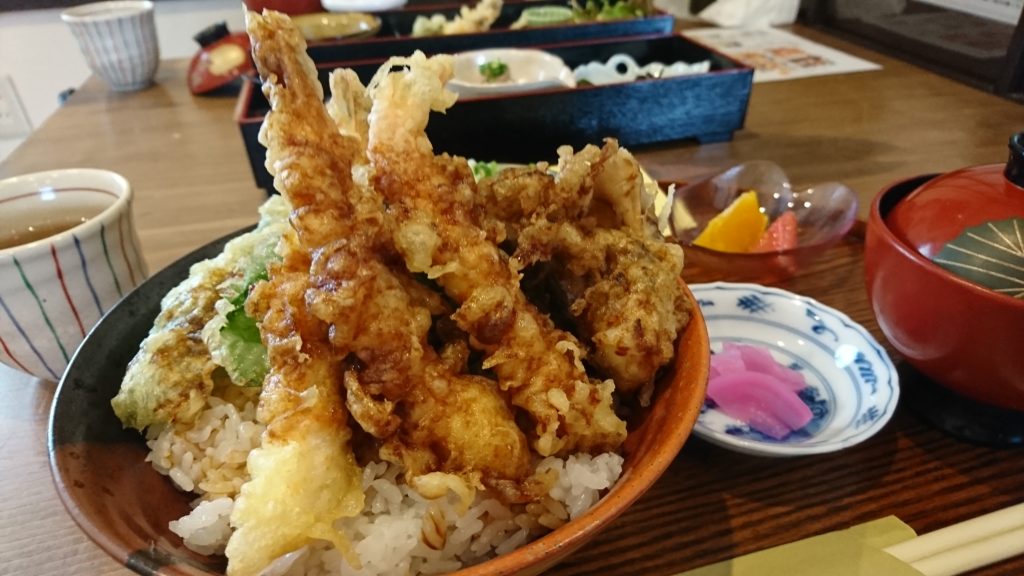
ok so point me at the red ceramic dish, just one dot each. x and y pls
(124, 505)
(220, 62)
(961, 335)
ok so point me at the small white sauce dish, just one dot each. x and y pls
(852, 385)
(528, 70)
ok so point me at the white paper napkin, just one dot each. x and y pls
(751, 13)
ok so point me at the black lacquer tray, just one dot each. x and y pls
(529, 127)
(396, 26)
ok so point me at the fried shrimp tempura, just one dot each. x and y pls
(349, 107)
(623, 291)
(478, 18)
(619, 280)
(376, 316)
(305, 458)
(439, 232)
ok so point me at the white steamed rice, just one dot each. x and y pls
(399, 531)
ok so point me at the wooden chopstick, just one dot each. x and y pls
(973, 555)
(967, 545)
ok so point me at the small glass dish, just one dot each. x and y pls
(824, 214)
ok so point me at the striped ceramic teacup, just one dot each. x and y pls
(68, 252)
(118, 40)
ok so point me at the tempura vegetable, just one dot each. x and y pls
(170, 377)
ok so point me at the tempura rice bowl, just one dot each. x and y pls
(125, 505)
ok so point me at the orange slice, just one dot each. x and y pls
(737, 228)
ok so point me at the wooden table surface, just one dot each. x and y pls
(185, 158)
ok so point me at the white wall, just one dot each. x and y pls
(42, 58)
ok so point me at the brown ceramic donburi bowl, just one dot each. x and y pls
(123, 504)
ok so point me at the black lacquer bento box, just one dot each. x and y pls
(394, 38)
(529, 127)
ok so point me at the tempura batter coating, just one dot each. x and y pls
(397, 387)
(440, 232)
(170, 378)
(477, 18)
(623, 291)
(305, 458)
(619, 280)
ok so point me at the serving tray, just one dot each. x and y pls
(396, 26)
(529, 127)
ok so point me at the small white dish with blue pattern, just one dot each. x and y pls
(852, 385)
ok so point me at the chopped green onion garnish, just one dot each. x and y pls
(493, 70)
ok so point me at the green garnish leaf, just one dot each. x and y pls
(483, 170)
(241, 339)
(493, 70)
(246, 356)
(601, 10)
(251, 278)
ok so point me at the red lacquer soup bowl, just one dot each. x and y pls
(943, 261)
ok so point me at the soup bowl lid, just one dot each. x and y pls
(970, 222)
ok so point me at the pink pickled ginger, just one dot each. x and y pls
(760, 360)
(749, 385)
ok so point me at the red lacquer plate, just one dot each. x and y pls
(223, 58)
